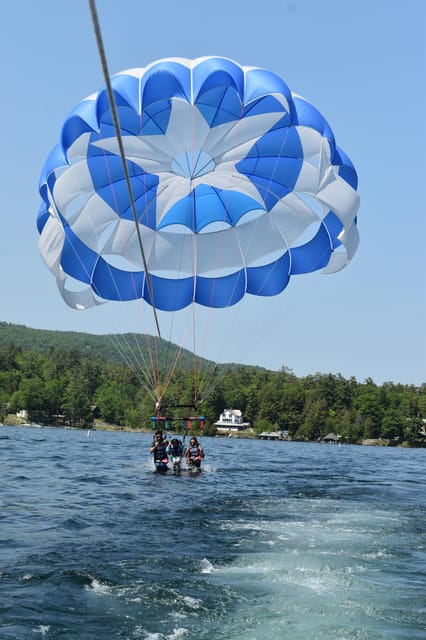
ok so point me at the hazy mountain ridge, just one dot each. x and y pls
(114, 348)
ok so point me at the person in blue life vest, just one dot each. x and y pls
(159, 450)
(175, 451)
(194, 454)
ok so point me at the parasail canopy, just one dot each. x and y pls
(237, 182)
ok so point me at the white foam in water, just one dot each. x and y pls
(206, 566)
(178, 615)
(98, 587)
(178, 633)
(382, 553)
(192, 603)
(209, 468)
(175, 635)
(316, 567)
(42, 629)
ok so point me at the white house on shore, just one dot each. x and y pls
(231, 421)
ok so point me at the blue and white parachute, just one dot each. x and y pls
(237, 182)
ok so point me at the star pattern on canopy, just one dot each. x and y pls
(211, 158)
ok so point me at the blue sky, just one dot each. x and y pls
(362, 64)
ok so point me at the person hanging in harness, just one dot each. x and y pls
(194, 454)
(175, 451)
(159, 449)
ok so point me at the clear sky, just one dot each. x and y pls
(362, 64)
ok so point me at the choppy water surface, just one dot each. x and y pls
(273, 540)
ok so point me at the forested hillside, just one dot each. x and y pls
(113, 348)
(65, 381)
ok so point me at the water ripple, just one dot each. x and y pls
(90, 533)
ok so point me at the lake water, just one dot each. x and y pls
(273, 540)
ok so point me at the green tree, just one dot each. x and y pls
(30, 396)
(350, 426)
(368, 403)
(392, 425)
(76, 403)
(262, 425)
(414, 431)
(114, 400)
(314, 425)
(292, 404)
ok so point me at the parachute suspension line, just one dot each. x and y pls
(113, 106)
(203, 374)
(141, 373)
(173, 368)
(197, 358)
(215, 380)
(194, 260)
(207, 378)
(211, 378)
(263, 328)
(123, 345)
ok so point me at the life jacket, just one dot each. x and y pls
(175, 450)
(194, 452)
(160, 451)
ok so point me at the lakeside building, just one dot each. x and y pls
(231, 421)
(273, 435)
(332, 438)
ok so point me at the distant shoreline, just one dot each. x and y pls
(372, 442)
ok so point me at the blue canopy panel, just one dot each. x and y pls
(346, 168)
(106, 172)
(164, 80)
(155, 118)
(223, 92)
(86, 266)
(313, 255)
(102, 106)
(334, 227)
(55, 160)
(220, 105)
(268, 104)
(170, 294)
(77, 259)
(282, 142)
(205, 205)
(215, 73)
(308, 116)
(261, 83)
(270, 279)
(42, 216)
(82, 119)
(220, 292)
(125, 86)
(111, 283)
(274, 178)
(130, 123)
